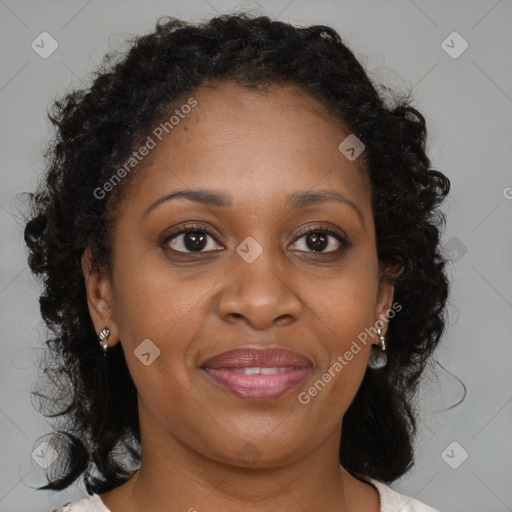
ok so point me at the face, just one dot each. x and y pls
(262, 266)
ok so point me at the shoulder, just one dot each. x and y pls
(91, 504)
(392, 501)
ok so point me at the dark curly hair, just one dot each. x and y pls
(97, 129)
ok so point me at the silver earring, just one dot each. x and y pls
(378, 357)
(104, 335)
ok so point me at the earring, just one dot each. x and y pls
(378, 357)
(104, 334)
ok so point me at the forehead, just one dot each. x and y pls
(259, 112)
(257, 145)
(232, 98)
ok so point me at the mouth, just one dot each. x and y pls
(258, 374)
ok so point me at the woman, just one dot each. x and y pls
(239, 242)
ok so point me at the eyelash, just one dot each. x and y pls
(344, 243)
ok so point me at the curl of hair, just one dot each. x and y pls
(97, 128)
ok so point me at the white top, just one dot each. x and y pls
(390, 501)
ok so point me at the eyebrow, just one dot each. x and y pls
(294, 201)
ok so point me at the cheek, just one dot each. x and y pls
(348, 305)
(346, 323)
(160, 312)
(151, 302)
(345, 314)
(157, 318)
(338, 378)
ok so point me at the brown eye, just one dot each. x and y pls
(320, 240)
(192, 240)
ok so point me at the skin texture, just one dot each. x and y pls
(256, 147)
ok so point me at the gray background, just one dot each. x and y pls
(467, 102)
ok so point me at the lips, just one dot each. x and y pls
(250, 358)
(258, 374)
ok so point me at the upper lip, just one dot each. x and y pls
(262, 358)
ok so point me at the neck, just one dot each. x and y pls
(173, 477)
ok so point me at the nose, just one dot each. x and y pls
(260, 293)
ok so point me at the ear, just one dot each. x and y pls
(99, 297)
(387, 269)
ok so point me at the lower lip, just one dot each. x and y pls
(258, 387)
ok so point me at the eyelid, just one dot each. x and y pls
(188, 227)
(321, 228)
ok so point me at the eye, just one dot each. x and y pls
(192, 239)
(197, 239)
(322, 240)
